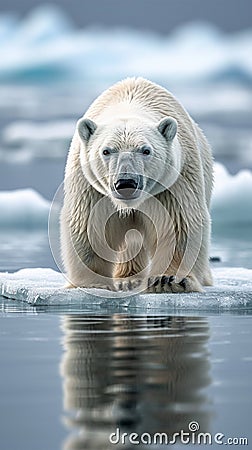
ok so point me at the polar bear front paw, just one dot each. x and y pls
(127, 284)
(167, 283)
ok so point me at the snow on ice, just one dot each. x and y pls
(45, 287)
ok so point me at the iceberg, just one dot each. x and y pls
(23, 131)
(44, 287)
(23, 208)
(232, 196)
(45, 45)
(22, 141)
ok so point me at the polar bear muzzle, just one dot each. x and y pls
(128, 186)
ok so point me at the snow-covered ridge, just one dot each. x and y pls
(46, 46)
(231, 204)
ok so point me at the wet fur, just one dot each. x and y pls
(187, 202)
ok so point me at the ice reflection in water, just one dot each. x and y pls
(141, 374)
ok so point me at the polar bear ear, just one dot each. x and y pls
(168, 128)
(86, 128)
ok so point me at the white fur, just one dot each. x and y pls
(125, 118)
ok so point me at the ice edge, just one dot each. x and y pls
(44, 287)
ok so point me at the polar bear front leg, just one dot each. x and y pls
(86, 275)
(132, 274)
(83, 268)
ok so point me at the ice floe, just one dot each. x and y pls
(232, 290)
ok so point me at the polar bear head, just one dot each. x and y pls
(129, 159)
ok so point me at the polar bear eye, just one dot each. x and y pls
(146, 151)
(106, 151)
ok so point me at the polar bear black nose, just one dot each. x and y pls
(126, 187)
(126, 183)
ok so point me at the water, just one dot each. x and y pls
(22, 248)
(233, 246)
(69, 381)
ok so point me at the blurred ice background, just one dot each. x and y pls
(56, 58)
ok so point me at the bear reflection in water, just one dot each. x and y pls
(137, 374)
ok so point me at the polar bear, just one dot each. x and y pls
(137, 191)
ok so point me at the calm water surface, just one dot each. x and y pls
(70, 380)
